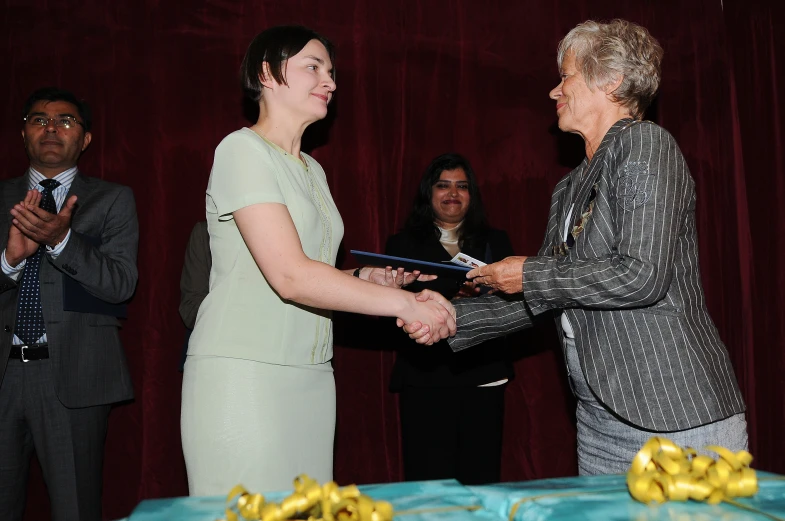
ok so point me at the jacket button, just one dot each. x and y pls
(7, 329)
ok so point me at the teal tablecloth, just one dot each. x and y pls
(605, 498)
(601, 498)
(434, 500)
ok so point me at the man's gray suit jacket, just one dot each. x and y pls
(630, 286)
(89, 364)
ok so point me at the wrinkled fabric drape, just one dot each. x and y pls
(415, 79)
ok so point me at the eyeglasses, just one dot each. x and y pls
(59, 121)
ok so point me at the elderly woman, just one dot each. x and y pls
(619, 267)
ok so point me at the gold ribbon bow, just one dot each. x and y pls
(308, 501)
(663, 471)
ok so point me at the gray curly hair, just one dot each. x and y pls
(603, 51)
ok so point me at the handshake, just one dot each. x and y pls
(429, 319)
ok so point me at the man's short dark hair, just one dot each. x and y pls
(274, 46)
(55, 94)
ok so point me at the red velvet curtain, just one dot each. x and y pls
(415, 79)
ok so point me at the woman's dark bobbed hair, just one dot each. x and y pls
(274, 46)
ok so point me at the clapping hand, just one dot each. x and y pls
(38, 224)
(20, 246)
(420, 329)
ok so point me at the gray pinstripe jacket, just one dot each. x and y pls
(630, 286)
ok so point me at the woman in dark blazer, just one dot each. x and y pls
(452, 404)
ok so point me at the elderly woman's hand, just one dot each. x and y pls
(393, 278)
(505, 276)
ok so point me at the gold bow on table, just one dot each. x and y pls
(308, 501)
(663, 471)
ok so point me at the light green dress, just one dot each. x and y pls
(258, 390)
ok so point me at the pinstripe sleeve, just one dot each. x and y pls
(647, 194)
(483, 318)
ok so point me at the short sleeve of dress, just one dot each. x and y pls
(244, 173)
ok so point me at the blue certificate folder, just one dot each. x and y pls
(450, 270)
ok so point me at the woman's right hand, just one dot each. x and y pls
(432, 319)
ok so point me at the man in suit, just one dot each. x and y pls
(68, 256)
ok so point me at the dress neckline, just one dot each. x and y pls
(299, 160)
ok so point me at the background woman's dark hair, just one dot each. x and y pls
(55, 94)
(420, 222)
(275, 46)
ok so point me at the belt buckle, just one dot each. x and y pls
(24, 360)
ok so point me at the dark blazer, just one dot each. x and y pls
(194, 281)
(437, 365)
(88, 361)
(195, 278)
(630, 286)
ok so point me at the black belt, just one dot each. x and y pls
(28, 352)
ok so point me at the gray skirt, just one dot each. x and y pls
(607, 445)
(256, 424)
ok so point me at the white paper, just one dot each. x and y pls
(462, 259)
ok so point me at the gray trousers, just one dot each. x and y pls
(607, 445)
(69, 444)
